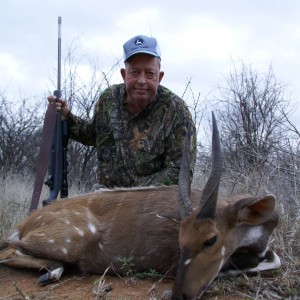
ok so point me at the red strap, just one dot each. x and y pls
(45, 148)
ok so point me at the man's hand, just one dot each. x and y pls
(61, 105)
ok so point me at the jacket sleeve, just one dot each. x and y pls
(83, 131)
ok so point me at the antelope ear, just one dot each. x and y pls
(254, 211)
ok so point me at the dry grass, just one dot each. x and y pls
(14, 202)
(15, 196)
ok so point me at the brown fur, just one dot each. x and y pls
(137, 224)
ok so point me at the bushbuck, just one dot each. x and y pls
(153, 227)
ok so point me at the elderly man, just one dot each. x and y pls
(139, 126)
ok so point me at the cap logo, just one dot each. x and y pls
(139, 42)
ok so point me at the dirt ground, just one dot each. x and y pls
(20, 284)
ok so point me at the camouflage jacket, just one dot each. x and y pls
(139, 150)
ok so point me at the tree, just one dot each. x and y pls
(19, 135)
(252, 117)
(260, 153)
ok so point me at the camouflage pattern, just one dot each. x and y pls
(139, 150)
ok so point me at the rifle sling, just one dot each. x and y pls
(43, 157)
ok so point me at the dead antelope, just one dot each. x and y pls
(97, 230)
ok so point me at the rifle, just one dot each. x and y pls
(58, 165)
(55, 131)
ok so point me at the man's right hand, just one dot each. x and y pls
(61, 105)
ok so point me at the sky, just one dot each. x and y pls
(199, 40)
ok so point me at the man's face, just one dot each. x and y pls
(141, 76)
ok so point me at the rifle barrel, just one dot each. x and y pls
(59, 58)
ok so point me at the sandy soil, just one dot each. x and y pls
(20, 284)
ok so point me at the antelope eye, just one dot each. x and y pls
(210, 242)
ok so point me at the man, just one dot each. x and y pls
(139, 126)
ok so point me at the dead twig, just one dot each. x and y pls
(23, 295)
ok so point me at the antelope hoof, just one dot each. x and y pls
(51, 276)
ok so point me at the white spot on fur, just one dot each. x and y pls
(19, 253)
(77, 213)
(92, 228)
(51, 241)
(67, 222)
(79, 231)
(64, 250)
(223, 250)
(68, 240)
(39, 217)
(187, 262)
(39, 234)
(159, 216)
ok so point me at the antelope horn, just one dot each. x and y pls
(184, 184)
(209, 197)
